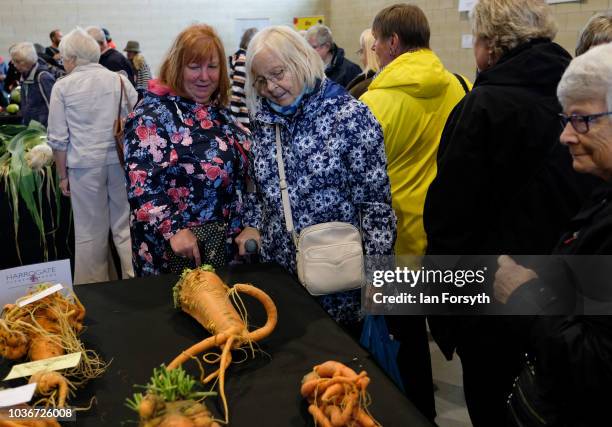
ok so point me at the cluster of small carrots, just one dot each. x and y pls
(46, 328)
(337, 396)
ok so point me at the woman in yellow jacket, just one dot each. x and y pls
(411, 98)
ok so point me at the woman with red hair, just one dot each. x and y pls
(186, 160)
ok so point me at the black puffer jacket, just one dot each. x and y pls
(341, 70)
(505, 185)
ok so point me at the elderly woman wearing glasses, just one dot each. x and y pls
(333, 153)
(572, 355)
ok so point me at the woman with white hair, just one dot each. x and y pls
(504, 184)
(333, 153)
(568, 380)
(84, 107)
(36, 83)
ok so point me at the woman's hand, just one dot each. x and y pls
(65, 186)
(185, 244)
(62, 171)
(247, 234)
(509, 277)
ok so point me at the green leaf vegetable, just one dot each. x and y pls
(171, 386)
(22, 183)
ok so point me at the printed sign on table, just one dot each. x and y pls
(17, 282)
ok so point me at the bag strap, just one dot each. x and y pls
(40, 87)
(120, 97)
(284, 188)
(462, 81)
(123, 93)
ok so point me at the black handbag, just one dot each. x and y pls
(212, 239)
(527, 404)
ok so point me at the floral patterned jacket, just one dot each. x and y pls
(335, 164)
(186, 165)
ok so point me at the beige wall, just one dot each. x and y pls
(349, 17)
(155, 23)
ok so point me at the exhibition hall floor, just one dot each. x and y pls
(450, 403)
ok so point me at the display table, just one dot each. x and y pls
(134, 324)
(10, 119)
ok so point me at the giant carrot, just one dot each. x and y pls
(203, 295)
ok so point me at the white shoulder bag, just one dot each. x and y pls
(329, 255)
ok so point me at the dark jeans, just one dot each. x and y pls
(414, 361)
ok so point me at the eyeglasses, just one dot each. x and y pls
(580, 123)
(276, 76)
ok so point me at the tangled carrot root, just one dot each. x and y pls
(203, 295)
(172, 400)
(48, 328)
(183, 413)
(337, 396)
(53, 385)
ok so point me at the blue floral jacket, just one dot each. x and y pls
(335, 164)
(186, 165)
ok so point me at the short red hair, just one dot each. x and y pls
(195, 44)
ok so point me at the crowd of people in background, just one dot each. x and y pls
(420, 159)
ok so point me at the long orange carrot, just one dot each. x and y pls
(203, 295)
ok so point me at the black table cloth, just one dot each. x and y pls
(10, 119)
(134, 324)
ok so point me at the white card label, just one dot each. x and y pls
(40, 295)
(17, 395)
(51, 364)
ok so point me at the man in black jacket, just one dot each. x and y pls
(111, 58)
(53, 50)
(337, 67)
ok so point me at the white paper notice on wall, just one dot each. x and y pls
(19, 281)
(466, 5)
(243, 24)
(466, 41)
